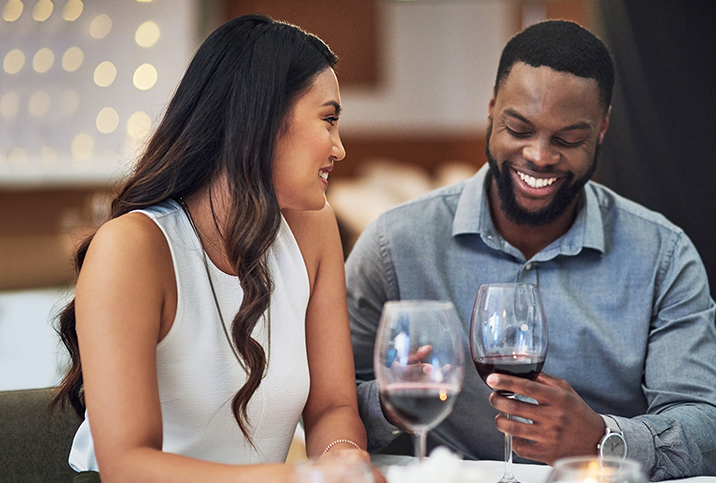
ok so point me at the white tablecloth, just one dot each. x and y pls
(493, 469)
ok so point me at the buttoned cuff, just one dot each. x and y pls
(639, 441)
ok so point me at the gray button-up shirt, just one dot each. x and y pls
(626, 296)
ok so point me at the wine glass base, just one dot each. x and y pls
(508, 479)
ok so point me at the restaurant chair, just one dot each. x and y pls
(34, 443)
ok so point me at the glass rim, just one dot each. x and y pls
(420, 304)
(508, 284)
(611, 461)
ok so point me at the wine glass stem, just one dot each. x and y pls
(419, 441)
(508, 477)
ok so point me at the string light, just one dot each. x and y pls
(73, 99)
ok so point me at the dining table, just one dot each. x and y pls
(491, 471)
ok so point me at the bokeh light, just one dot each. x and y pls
(107, 120)
(100, 26)
(72, 59)
(10, 105)
(39, 103)
(147, 34)
(139, 125)
(145, 77)
(72, 10)
(12, 10)
(13, 62)
(42, 10)
(43, 60)
(82, 146)
(17, 157)
(105, 73)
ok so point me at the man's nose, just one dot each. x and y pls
(540, 152)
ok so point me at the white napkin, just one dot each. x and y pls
(442, 465)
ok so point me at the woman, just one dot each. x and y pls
(209, 312)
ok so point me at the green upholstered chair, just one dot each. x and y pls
(34, 443)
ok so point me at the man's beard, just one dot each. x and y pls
(559, 205)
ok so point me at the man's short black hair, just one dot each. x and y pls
(565, 47)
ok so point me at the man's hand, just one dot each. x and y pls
(563, 424)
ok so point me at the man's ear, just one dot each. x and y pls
(605, 124)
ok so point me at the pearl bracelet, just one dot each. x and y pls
(347, 441)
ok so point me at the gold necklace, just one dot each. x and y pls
(182, 203)
(267, 316)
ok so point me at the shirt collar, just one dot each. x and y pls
(472, 216)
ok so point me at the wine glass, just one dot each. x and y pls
(590, 469)
(508, 335)
(418, 362)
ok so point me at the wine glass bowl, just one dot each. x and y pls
(508, 335)
(418, 362)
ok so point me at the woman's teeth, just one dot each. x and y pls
(536, 182)
(323, 174)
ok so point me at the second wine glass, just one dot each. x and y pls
(418, 362)
(508, 335)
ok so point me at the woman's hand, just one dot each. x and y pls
(350, 456)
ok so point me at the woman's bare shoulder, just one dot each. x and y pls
(130, 240)
(316, 233)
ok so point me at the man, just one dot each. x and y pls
(632, 337)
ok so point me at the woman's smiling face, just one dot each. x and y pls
(306, 150)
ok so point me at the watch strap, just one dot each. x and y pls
(611, 424)
(612, 428)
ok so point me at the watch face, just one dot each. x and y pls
(613, 445)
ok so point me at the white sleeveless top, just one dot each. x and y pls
(197, 371)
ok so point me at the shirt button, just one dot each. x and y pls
(528, 266)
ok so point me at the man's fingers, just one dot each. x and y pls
(503, 382)
(538, 389)
(420, 354)
(552, 381)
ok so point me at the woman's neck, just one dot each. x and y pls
(207, 209)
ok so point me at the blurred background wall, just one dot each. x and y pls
(416, 77)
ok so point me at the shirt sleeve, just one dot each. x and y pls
(370, 281)
(675, 438)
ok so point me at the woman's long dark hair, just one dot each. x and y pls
(234, 100)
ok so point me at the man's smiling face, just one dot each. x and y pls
(545, 130)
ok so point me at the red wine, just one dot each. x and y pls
(519, 365)
(419, 405)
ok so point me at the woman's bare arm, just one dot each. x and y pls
(331, 411)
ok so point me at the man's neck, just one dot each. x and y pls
(528, 239)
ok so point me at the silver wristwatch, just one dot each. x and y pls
(612, 443)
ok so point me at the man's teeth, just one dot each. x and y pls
(536, 182)
(323, 174)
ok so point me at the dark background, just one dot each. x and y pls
(660, 148)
